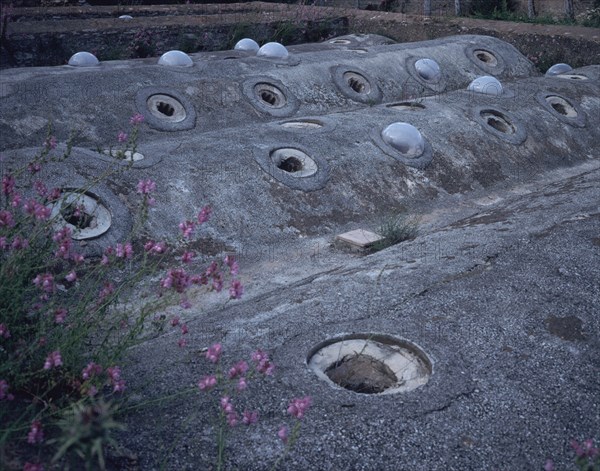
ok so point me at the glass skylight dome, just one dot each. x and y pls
(557, 69)
(429, 70)
(83, 59)
(273, 51)
(175, 59)
(126, 17)
(405, 138)
(247, 44)
(486, 85)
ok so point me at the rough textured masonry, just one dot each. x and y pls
(499, 291)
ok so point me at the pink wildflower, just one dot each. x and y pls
(263, 364)
(204, 214)
(54, 194)
(214, 352)
(4, 394)
(92, 369)
(283, 434)
(53, 360)
(33, 207)
(145, 187)
(236, 289)
(106, 291)
(15, 200)
(250, 418)
(185, 302)
(182, 342)
(212, 268)
(63, 239)
(124, 250)
(77, 257)
(239, 369)
(155, 247)
(136, 119)
(44, 281)
(6, 219)
(187, 257)
(299, 406)
(177, 279)
(19, 243)
(33, 466)
(36, 434)
(217, 283)
(232, 419)
(4, 332)
(34, 167)
(119, 386)
(121, 137)
(207, 382)
(184, 329)
(71, 276)
(199, 279)
(92, 390)
(60, 315)
(232, 264)
(114, 373)
(242, 384)
(40, 188)
(226, 404)
(50, 143)
(186, 228)
(8, 184)
(175, 321)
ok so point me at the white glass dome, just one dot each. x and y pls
(83, 59)
(429, 70)
(175, 59)
(405, 138)
(486, 85)
(273, 50)
(247, 44)
(558, 69)
(126, 17)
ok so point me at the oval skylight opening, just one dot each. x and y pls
(273, 51)
(428, 70)
(247, 44)
(405, 138)
(175, 59)
(83, 59)
(556, 69)
(486, 85)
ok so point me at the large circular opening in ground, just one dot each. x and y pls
(357, 82)
(571, 76)
(294, 162)
(486, 57)
(166, 108)
(371, 364)
(498, 121)
(561, 106)
(407, 106)
(83, 213)
(302, 124)
(270, 95)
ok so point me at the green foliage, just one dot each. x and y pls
(491, 8)
(396, 228)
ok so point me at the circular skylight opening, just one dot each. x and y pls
(486, 85)
(269, 95)
(247, 44)
(175, 59)
(166, 108)
(407, 106)
(294, 162)
(340, 41)
(561, 106)
(428, 70)
(126, 17)
(302, 124)
(556, 69)
(404, 138)
(498, 121)
(83, 213)
(572, 76)
(371, 364)
(357, 82)
(486, 57)
(273, 51)
(83, 59)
